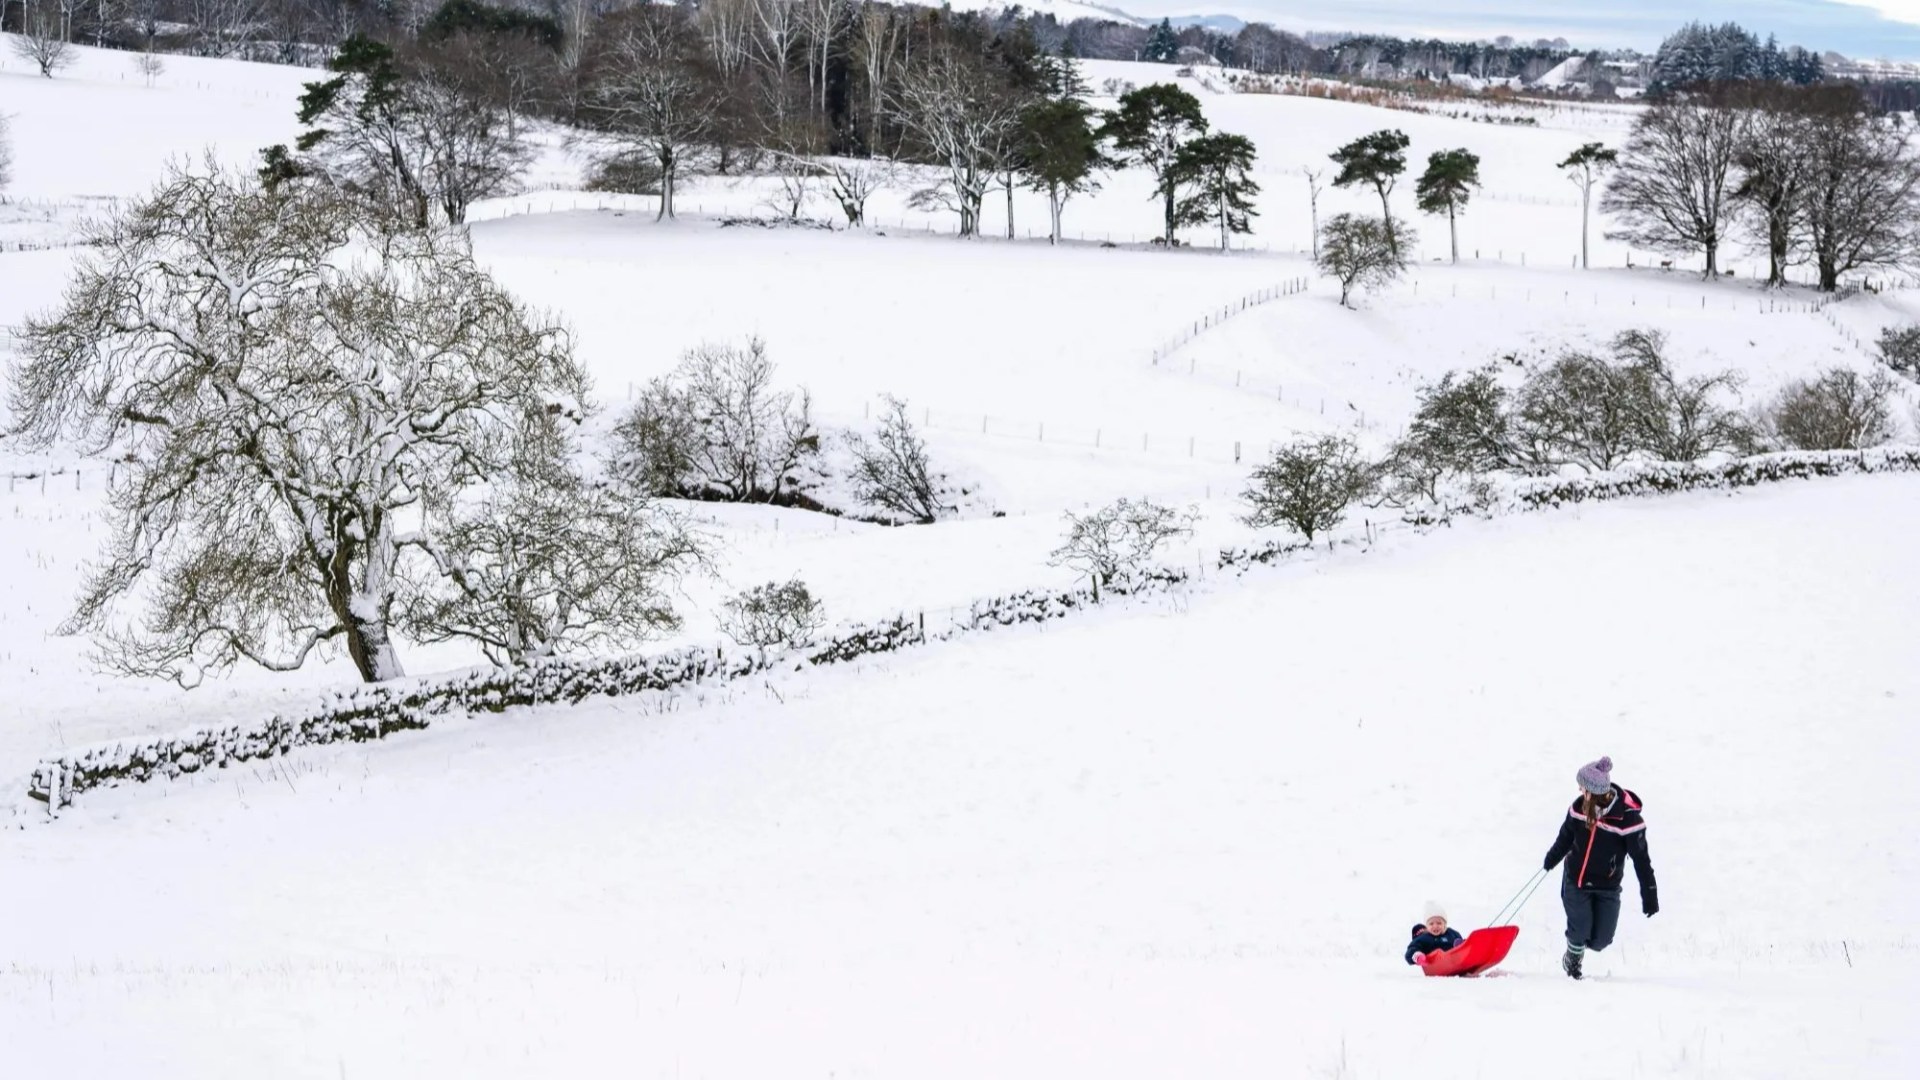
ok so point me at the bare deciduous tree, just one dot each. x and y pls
(1116, 543)
(964, 117)
(1581, 409)
(1840, 410)
(773, 615)
(547, 562)
(1679, 419)
(820, 21)
(42, 40)
(655, 100)
(853, 181)
(1462, 427)
(287, 391)
(881, 37)
(893, 471)
(728, 26)
(1362, 253)
(1308, 485)
(1674, 185)
(1316, 183)
(718, 428)
(148, 66)
(1860, 196)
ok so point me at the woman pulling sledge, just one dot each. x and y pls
(1602, 830)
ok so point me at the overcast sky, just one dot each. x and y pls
(1868, 29)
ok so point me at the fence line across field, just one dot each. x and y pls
(1591, 298)
(1291, 287)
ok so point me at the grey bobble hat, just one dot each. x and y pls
(1596, 777)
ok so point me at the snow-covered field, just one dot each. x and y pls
(1179, 837)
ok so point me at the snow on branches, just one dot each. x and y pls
(291, 391)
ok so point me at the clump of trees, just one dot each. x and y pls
(1813, 174)
(417, 137)
(1698, 53)
(329, 431)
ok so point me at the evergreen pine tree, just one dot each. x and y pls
(1446, 186)
(1219, 169)
(1163, 45)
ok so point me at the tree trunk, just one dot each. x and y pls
(666, 191)
(1170, 240)
(1009, 204)
(1386, 218)
(368, 644)
(1713, 258)
(1453, 234)
(1054, 207)
(1586, 201)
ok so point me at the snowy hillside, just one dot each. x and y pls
(1180, 834)
(1173, 839)
(1043, 396)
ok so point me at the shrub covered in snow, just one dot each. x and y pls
(1900, 349)
(1669, 477)
(1116, 543)
(893, 472)
(1841, 410)
(777, 614)
(373, 712)
(1462, 427)
(717, 428)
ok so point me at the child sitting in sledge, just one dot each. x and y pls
(1432, 935)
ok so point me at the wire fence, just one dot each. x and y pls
(1593, 298)
(1211, 319)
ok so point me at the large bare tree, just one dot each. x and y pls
(964, 117)
(1673, 189)
(1859, 198)
(286, 389)
(657, 100)
(42, 40)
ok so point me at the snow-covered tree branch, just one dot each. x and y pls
(288, 388)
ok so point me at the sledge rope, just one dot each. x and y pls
(1511, 910)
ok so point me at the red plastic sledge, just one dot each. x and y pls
(1481, 950)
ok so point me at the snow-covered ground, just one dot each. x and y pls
(1030, 367)
(1181, 838)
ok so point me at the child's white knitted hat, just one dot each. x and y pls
(1434, 911)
